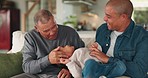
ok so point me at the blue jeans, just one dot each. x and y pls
(93, 69)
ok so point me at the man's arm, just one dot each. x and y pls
(138, 67)
(33, 65)
(30, 62)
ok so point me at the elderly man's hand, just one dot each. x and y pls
(64, 73)
(55, 55)
(68, 50)
(64, 60)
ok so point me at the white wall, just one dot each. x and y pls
(64, 10)
(20, 4)
(99, 8)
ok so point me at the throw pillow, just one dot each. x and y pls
(17, 41)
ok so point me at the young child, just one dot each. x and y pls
(77, 60)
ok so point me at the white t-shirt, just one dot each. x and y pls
(113, 36)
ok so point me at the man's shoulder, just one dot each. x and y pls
(140, 30)
(31, 32)
(63, 28)
(103, 26)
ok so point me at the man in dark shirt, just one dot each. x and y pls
(41, 51)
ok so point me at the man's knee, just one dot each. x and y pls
(88, 69)
(90, 62)
(121, 67)
(90, 65)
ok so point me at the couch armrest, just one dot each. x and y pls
(10, 64)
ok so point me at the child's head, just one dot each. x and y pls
(68, 50)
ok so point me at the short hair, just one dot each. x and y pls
(121, 6)
(43, 16)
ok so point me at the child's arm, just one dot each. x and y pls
(74, 69)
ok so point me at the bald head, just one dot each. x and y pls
(121, 6)
(43, 16)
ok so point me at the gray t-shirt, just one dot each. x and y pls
(36, 50)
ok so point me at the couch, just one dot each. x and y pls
(11, 62)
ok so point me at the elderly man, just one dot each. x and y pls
(41, 52)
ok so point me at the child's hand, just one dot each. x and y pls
(93, 45)
(64, 60)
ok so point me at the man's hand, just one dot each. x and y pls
(64, 60)
(68, 50)
(99, 55)
(55, 55)
(64, 73)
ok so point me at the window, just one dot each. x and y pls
(140, 11)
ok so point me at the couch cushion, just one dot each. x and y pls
(10, 64)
